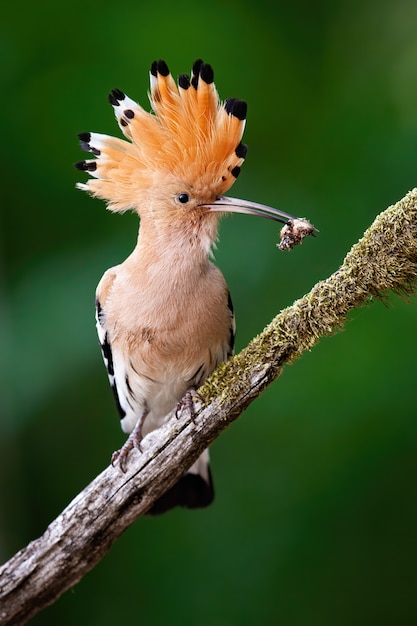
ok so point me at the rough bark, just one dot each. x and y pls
(384, 259)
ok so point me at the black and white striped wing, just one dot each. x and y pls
(106, 351)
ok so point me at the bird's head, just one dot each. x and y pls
(179, 160)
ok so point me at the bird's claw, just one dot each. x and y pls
(187, 403)
(133, 441)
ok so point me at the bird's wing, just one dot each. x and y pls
(232, 325)
(102, 293)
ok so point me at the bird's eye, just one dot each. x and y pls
(183, 198)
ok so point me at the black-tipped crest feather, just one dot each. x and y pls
(189, 133)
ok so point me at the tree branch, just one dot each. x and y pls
(384, 259)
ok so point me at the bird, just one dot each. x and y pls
(164, 315)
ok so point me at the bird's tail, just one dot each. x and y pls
(192, 491)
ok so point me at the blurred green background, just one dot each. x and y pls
(315, 516)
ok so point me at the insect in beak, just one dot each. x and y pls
(293, 231)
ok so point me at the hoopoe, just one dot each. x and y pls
(164, 316)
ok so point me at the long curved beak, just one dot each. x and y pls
(224, 204)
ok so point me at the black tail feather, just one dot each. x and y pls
(191, 492)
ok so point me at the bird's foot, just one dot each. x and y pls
(133, 441)
(187, 403)
(120, 456)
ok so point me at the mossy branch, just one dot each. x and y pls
(384, 259)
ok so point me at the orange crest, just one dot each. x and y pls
(191, 137)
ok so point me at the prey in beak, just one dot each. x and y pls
(293, 232)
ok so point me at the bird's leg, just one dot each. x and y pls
(187, 402)
(133, 441)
